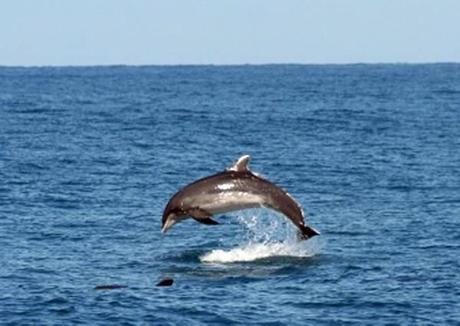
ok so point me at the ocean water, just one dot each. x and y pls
(89, 157)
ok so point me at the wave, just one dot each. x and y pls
(266, 236)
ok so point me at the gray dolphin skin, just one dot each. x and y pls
(234, 189)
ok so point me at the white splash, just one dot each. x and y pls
(266, 236)
(254, 251)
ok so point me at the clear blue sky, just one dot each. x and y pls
(88, 32)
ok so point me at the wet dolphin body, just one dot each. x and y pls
(234, 189)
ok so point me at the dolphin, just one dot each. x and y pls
(234, 189)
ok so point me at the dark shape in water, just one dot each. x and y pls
(166, 282)
(234, 189)
(110, 287)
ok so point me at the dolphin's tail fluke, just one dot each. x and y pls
(306, 232)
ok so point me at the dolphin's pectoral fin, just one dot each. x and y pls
(202, 216)
(207, 221)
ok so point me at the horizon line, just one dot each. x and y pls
(228, 64)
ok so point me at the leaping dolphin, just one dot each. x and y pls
(234, 189)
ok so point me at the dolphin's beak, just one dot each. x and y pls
(168, 224)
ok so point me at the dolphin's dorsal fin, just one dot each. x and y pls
(241, 165)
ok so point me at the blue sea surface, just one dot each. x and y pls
(89, 157)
